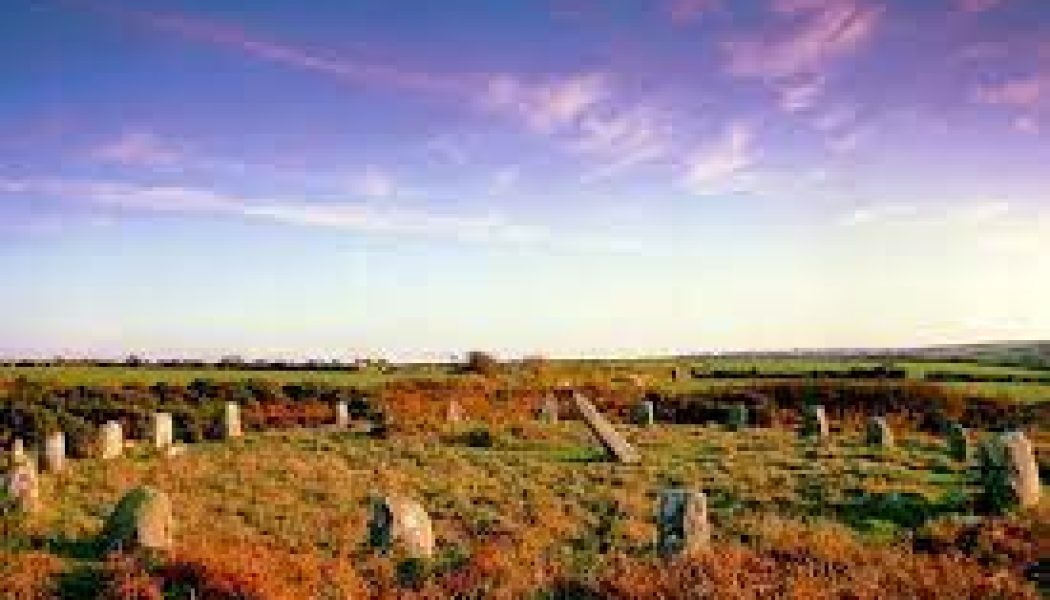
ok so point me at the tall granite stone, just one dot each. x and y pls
(611, 439)
(878, 433)
(55, 452)
(645, 413)
(23, 485)
(1008, 472)
(682, 522)
(1024, 471)
(958, 442)
(163, 430)
(814, 422)
(18, 451)
(342, 414)
(111, 440)
(141, 520)
(401, 524)
(549, 409)
(454, 412)
(232, 420)
(737, 417)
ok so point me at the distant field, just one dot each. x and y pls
(657, 372)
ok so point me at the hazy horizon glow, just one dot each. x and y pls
(561, 177)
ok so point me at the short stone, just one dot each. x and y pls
(401, 524)
(141, 520)
(682, 522)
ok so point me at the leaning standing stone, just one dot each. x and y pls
(23, 485)
(958, 442)
(605, 432)
(879, 433)
(163, 432)
(111, 440)
(814, 422)
(683, 524)
(233, 420)
(403, 524)
(142, 519)
(55, 452)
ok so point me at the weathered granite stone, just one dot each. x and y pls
(549, 410)
(682, 522)
(814, 422)
(18, 451)
(23, 485)
(1023, 469)
(454, 412)
(163, 430)
(141, 520)
(878, 433)
(645, 413)
(342, 414)
(111, 440)
(958, 442)
(611, 439)
(55, 452)
(736, 418)
(402, 524)
(233, 420)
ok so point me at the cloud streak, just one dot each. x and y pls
(354, 217)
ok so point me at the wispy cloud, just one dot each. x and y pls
(137, 149)
(810, 35)
(978, 6)
(583, 111)
(1024, 92)
(292, 55)
(685, 12)
(721, 166)
(373, 183)
(349, 216)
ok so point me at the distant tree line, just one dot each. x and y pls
(877, 372)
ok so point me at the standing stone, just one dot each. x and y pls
(402, 523)
(878, 433)
(1009, 475)
(645, 413)
(23, 485)
(18, 451)
(958, 442)
(605, 432)
(737, 417)
(342, 414)
(233, 420)
(141, 520)
(814, 422)
(549, 410)
(1024, 471)
(163, 430)
(682, 522)
(111, 440)
(454, 412)
(55, 452)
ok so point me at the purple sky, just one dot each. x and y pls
(564, 176)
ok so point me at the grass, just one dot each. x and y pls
(542, 494)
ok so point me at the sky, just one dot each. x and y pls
(413, 179)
